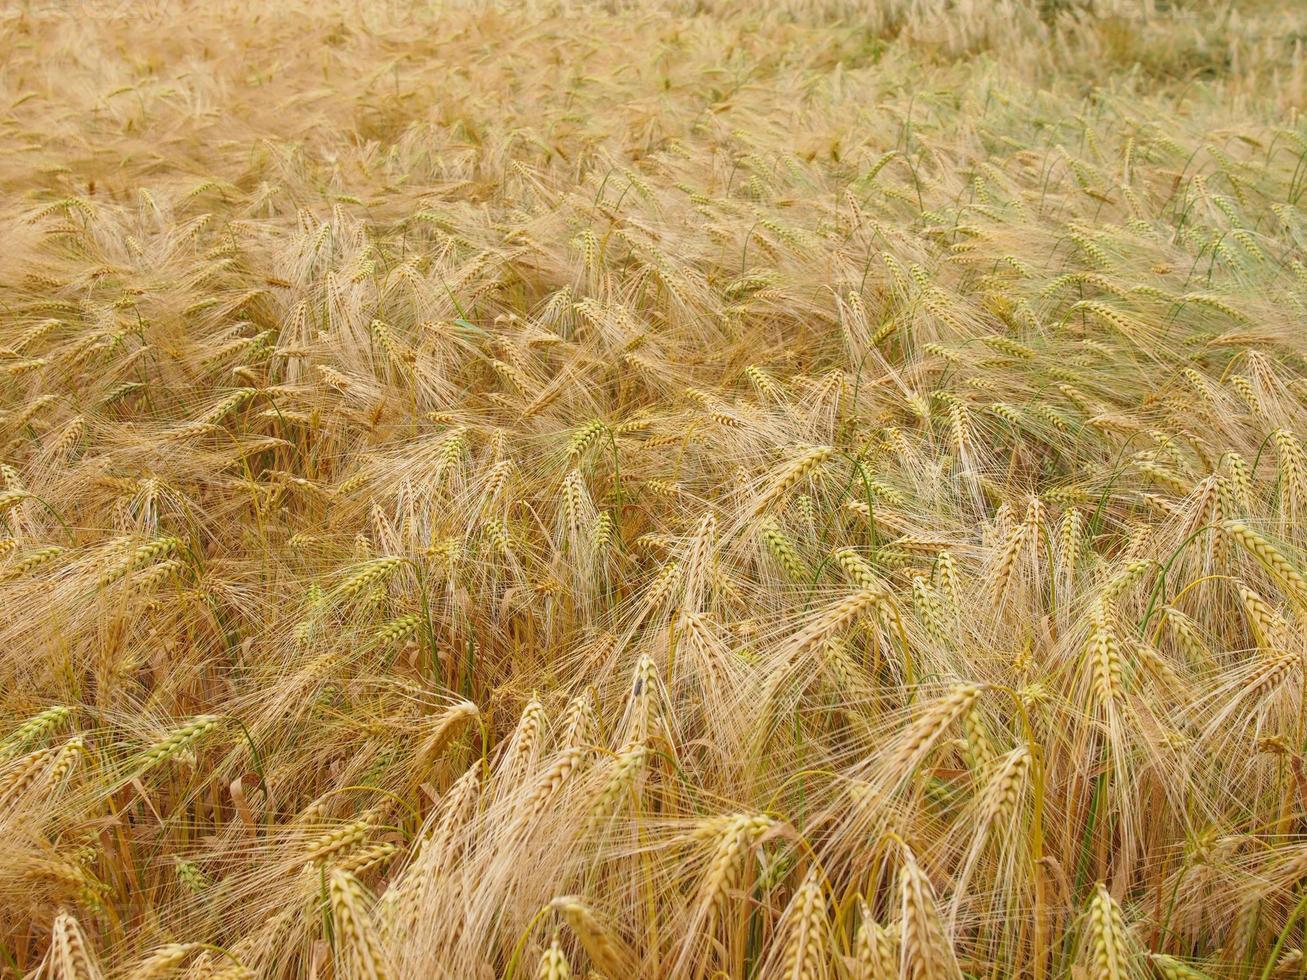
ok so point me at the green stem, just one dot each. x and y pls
(1284, 935)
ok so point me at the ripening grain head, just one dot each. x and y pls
(801, 490)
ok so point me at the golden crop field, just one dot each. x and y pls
(809, 490)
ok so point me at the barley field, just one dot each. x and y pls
(669, 489)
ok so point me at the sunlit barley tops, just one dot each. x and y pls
(811, 491)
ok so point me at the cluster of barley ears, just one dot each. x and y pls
(673, 490)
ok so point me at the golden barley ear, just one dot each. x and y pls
(609, 953)
(360, 950)
(163, 960)
(806, 955)
(71, 956)
(926, 950)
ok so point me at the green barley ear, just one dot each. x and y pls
(366, 575)
(191, 876)
(601, 534)
(857, 568)
(930, 609)
(584, 438)
(34, 728)
(1107, 952)
(177, 741)
(979, 747)
(553, 964)
(398, 629)
(782, 549)
(1173, 969)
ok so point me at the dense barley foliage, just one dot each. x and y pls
(667, 490)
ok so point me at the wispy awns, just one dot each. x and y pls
(660, 490)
